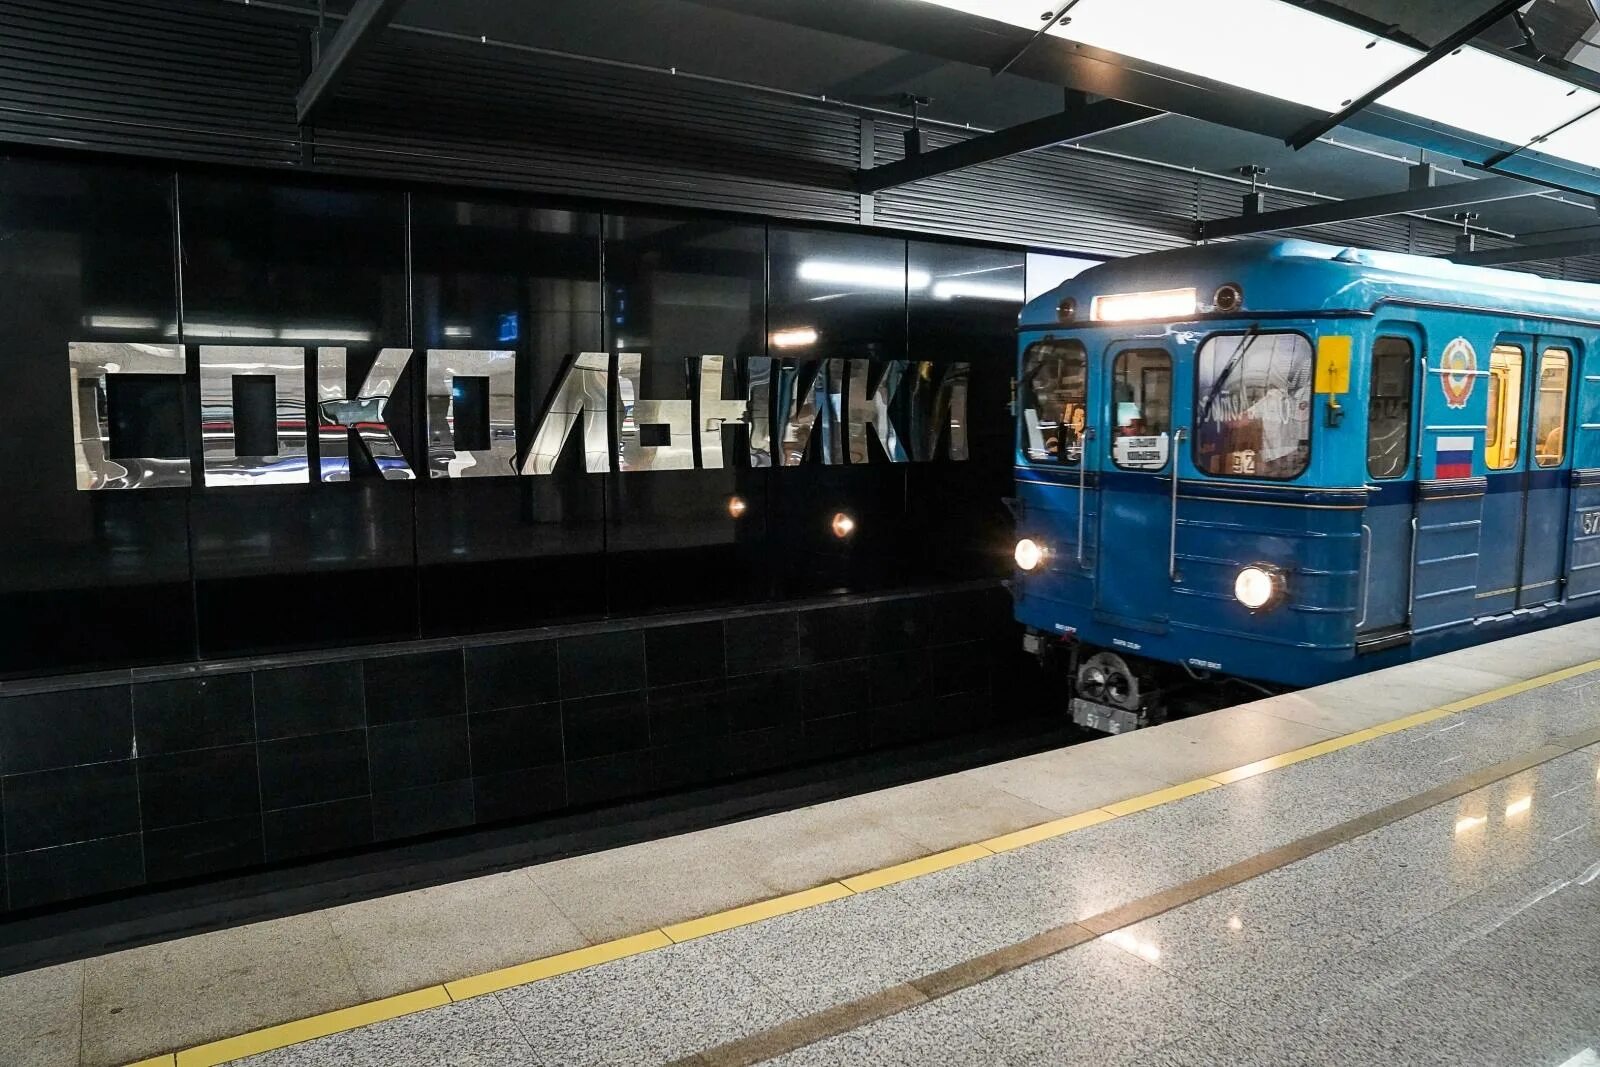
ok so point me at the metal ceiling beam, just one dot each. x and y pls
(1071, 125)
(1462, 36)
(1488, 257)
(1428, 198)
(359, 32)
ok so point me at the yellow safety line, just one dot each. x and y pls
(292, 1033)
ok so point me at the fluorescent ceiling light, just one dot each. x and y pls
(1474, 91)
(1243, 43)
(862, 275)
(1579, 142)
(324, 335)
(242, 333)
(122, 322)
(949, 290)
(799, 337)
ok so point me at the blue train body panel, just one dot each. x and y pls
(1403, 453)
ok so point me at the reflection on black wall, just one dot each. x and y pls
(121, 577)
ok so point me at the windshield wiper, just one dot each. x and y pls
(1222, 379)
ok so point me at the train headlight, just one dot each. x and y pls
(1028, 554)
(1259, 586)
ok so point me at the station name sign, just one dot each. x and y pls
(260, 404)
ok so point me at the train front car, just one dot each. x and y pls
(1192, 499)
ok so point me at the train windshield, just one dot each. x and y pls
(1255, 418)
(1054, 395)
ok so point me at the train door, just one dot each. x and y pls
(1546, 489)
(1138, 461)
(1386, 526)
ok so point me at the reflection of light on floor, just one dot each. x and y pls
(1470, 822)
(1144, 949)
(1518, 807)
(1587, 1058)
(1235, 923)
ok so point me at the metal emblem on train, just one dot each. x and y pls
(1459, 365)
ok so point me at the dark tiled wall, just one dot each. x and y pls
(139, 780)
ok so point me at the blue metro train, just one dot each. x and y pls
(1280, 463)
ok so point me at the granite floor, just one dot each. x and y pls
(1433, 935)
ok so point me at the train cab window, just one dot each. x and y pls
(1141, 408)
(1389, 408)
(1550, 407)
(1502, 441)
(1253, 405)
(1054, 401)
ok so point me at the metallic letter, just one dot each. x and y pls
(220, 365)
(583, 392)
(761, 370)
(500, 371)
(874, 408)
(676, 415)
(807, 406)
(717, 411)
(937, 403)
(337, 415)
(89, 365)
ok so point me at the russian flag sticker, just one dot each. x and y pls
(1452, 457)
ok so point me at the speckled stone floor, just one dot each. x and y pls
(1468, 932)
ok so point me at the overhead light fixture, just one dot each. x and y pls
(457, 331)
(122, 322)
(862, 275)
(737, 507)
(951, 290)
(1474, 91)
(843, 525)
(355, 336)
(1136, 307)
(798, 337)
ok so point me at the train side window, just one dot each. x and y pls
(1502, 441)
(1550, 407)
(1054, 401)
(1141, 404)
(1389, 408)
(1253, 405)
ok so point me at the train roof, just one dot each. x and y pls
(1279, 276)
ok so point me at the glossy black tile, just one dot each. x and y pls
(759, 751)
(425, 810)
(191, 713)
(70, 872)
(959, 668)
(202, 848)
(202, 786)
(760, 701)
(828, 689)
(314, 699)
(317, 829)
(835, 736)
(59, 807)
(509, 676)
(833, 633)
(765, 642)
(694, 710)
(605, 725)
(967, 615)
(690, 652)
(508, 739)
(421, 685)
(418, 753)
(46, 730)
(606, 779)
(896, 677)
(313, 769)
(520, 794)
(897, 624)
(602, 663)
(692, 763)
